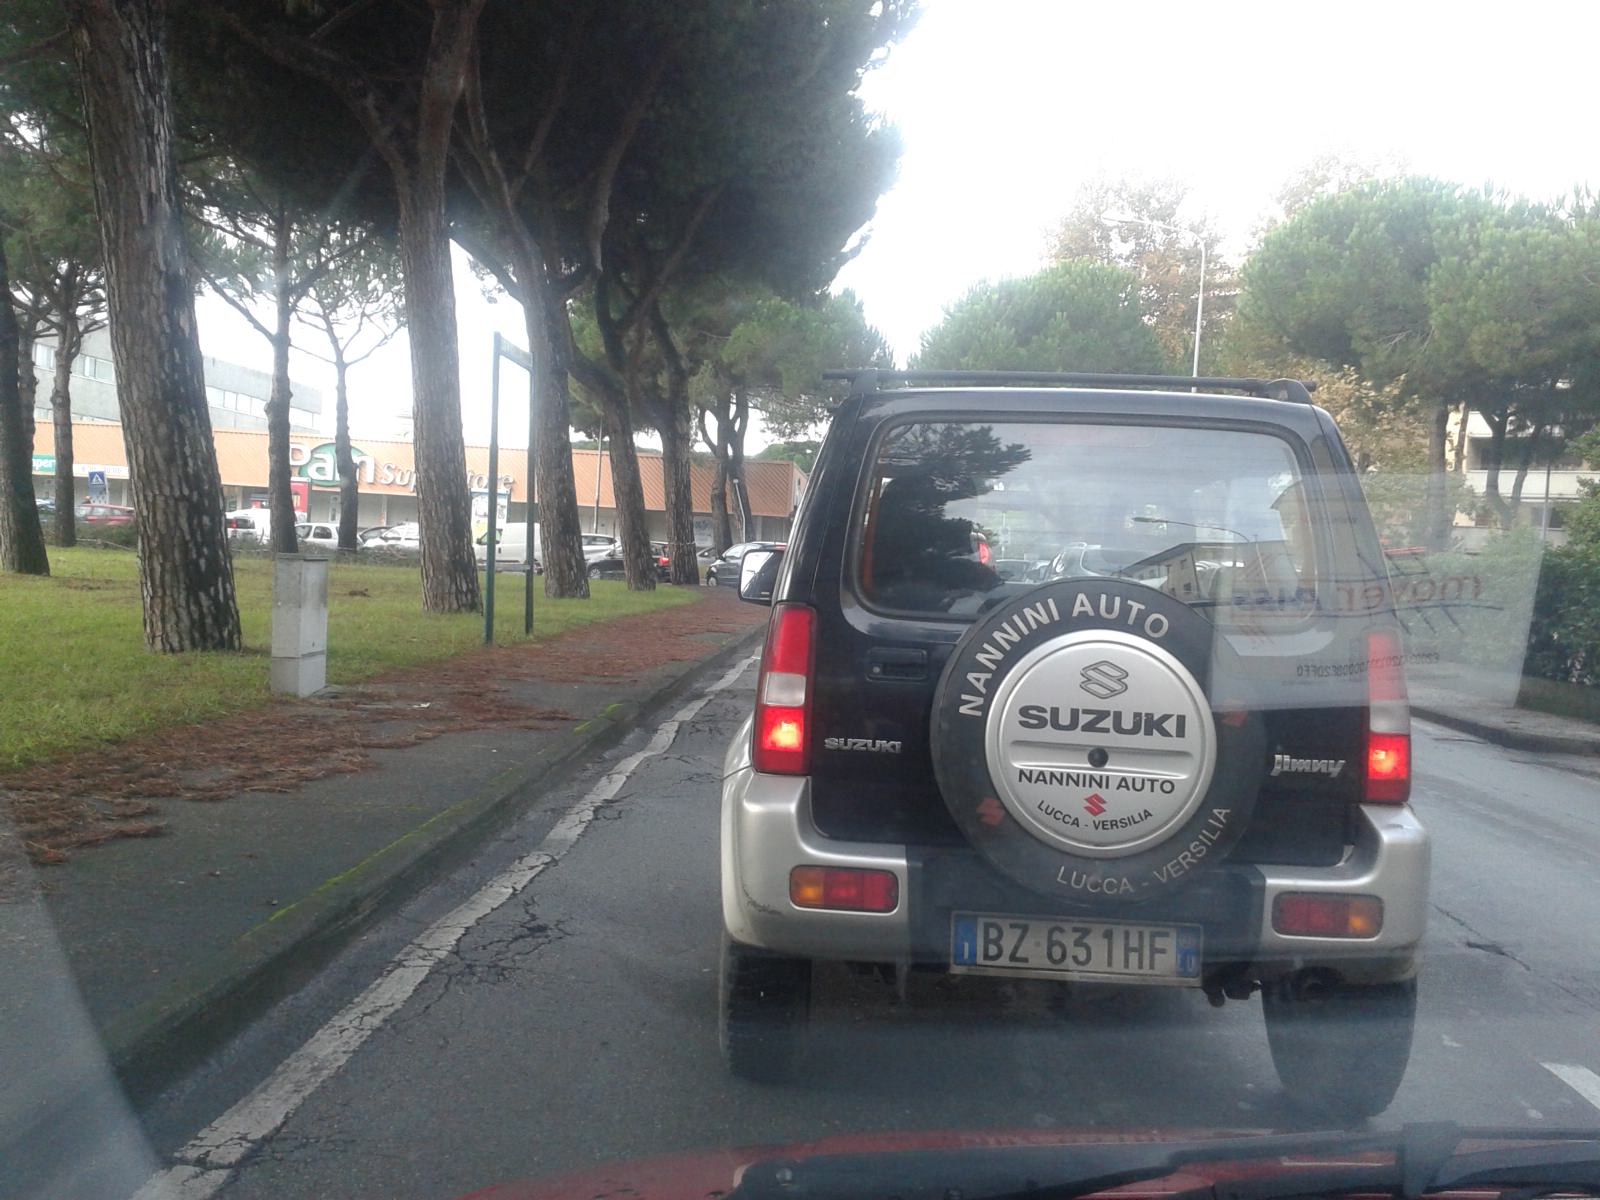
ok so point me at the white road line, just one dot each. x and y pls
(208, 1161)
(1580, 1079)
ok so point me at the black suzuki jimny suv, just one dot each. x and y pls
(1172, 749)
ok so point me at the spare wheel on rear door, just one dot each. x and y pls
(1093, 740)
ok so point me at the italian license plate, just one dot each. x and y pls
(1121, 951)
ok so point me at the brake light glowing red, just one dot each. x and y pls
(1388, 768)
(783, 692)
(1388, 765)
(984, 553)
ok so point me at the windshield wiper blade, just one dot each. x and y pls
(1574, 1164)
(1419, 1151)
(1427, 1160)
(1049, 1171)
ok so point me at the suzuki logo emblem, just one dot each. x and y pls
(1094, 805)
(1104, 680)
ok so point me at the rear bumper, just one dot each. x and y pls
(767, 830)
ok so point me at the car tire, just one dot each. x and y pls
(1340, 1050)
(711, 579)
(596, 573)
(764, 1004)
(1082, 859)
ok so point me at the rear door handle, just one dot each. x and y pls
(897, 664)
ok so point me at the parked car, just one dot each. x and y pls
(249, 526)
(319, 534)
(724, 571)
(610, 567)
(104, 514)
(371, 534)
(405, 536)
(510, 546)
(600, 545)
(1175, 762)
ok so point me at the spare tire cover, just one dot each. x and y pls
(1092, 739)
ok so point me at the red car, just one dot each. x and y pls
(105, 514)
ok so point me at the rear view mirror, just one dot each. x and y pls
(758, 570)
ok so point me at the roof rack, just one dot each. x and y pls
(873, 379)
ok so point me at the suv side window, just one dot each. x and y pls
(1223, 523)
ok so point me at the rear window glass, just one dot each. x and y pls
(961, 515)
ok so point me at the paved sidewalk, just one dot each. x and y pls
(146, 952)
(1451, 702)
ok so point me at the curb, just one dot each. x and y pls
(1503, 735)
(156, 1042)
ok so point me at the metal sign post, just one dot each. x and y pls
(519, 356)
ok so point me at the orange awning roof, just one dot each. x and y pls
(774, 486)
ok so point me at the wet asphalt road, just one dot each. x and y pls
(575, 1025)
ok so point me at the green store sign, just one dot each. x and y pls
(319, 465)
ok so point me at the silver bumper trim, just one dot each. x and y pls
(766, 831)
(1390, 860)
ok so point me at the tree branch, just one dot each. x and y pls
(450, 50)
(335, 72)
(238, 305)
(558, 95)
(652, 293)
(600, 204)
(38, 49)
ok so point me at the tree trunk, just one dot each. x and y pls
(444, 504)
(28, 376)
(280, 500)
(677, 446)
(1497, 452)
(1465, 415)
(349, 482)
(1524, 461)
(550, 442)
(741, 494)
(64, 527)
(185, 572)
(633, 530)
(721, 528)
(616, 414)
(414, 141)
(21, 537)
(1437, 505)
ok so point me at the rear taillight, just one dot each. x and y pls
(1388, 766)
(1308, 914)
(783, 692)
(984, 553)
(850, 889)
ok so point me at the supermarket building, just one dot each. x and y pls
(386, 473)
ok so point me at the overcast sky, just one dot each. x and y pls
(1006, 107)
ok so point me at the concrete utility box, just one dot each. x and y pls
(299, 624)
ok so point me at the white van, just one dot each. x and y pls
(511, 544)
(249, 526)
